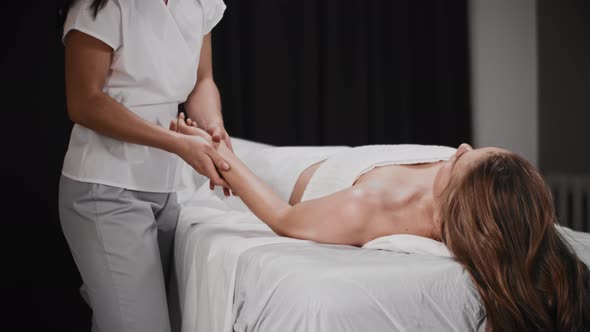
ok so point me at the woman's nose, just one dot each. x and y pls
(465, 147)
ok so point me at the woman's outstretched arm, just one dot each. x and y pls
(340, 218)
(255, 193)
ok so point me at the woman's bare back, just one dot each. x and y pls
(402, 197)
(386, 200)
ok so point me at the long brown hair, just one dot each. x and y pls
(499, 222)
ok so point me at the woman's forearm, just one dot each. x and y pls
(255, 193)
(338, 218)
(105, 116)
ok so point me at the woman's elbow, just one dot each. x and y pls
(281, 223)
(75, 109)
(288, 224)
(74, 115)
(284, 232)
(78, 108)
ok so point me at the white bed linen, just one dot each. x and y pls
(211, 240)
(212, 234)
(213, 231)
(211, 237)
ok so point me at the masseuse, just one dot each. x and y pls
(128, 65)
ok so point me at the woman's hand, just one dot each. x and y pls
(202, 156)
(200, 153)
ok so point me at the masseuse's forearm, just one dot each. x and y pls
(257, 195)
(204, 104)
(100, 113)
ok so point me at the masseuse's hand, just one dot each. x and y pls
(197, 150)
(218, 134)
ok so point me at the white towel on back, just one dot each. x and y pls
(343, 168)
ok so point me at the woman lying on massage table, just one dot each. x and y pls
(489, 206)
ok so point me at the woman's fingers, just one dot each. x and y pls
(191, 122)
(184, 128)
(226, 191)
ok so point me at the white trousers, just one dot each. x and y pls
(122, 243)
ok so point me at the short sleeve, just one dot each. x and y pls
(105, 27)
(212, 13)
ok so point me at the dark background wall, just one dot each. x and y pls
(356, 72)
(290, 72)
(43, 281)
(564, 86)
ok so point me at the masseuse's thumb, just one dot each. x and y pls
(220, 163)
(215, 133)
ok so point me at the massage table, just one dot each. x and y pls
(232, 273)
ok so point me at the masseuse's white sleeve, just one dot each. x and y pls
(106, 27)
(212, 14)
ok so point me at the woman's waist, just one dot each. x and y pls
(158, 114)
(95, 158)
(302, 182)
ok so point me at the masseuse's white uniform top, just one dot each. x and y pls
(154, 68)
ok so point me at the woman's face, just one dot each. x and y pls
(458, 165)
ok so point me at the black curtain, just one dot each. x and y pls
(39, 278)
(332, 72)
